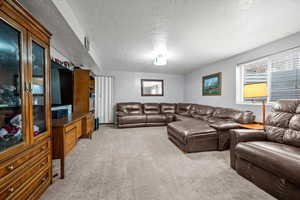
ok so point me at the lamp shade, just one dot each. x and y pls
(255, 90)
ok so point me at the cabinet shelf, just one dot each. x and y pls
(3, 106)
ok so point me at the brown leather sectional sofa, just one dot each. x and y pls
(271, 158)
(191, 127)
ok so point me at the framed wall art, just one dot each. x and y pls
(212, 85)
(151, 87)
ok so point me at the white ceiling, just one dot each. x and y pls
(195, 32)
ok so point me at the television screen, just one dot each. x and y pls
(55, 84)
(61, 85)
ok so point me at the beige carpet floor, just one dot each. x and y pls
(142, 164)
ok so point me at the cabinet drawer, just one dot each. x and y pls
(11, 188)
(34, 187)
(70, 140)
(13, 166)
(73, 125)
(76, 125)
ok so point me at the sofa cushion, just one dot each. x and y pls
(292, 137)
(280, 159)
(237, 116)
(248, 118)
(242, 117)
(168, 108)
(295, 122)
(275, 134)
(201, 117)
(283, 123)
(132, 119)
(151, 108)
(156, 118)
(181, 117)
(183, 109)
(130, 108)
(213, 120)
(202, 110)
(170, 118)
(279, 119)
(288, 106)
(223, 113)
(281, 135)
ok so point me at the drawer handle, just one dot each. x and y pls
(43, 164)
(11, 189)
(44, 148)
(10, 167)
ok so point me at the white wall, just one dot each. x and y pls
(66, 40)
(68, 14)
(193, 81)
(128, 86)
(56, 54)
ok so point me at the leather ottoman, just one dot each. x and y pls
(193, 135)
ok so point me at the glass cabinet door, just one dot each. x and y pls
(38, 89)
(12, 111)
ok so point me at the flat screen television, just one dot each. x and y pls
(61, 85)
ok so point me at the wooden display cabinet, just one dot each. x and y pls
(25, 123)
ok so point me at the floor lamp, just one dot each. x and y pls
(257, 91)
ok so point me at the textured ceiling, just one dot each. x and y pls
(195, 32)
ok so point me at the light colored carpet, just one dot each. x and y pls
(142, 164)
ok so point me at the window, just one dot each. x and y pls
(279, 73)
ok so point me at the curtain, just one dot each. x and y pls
(104, 99)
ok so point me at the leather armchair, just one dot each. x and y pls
(271, 158)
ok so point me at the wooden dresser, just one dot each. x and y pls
(25, 120)
(66, 132)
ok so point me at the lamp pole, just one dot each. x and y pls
(264, 112)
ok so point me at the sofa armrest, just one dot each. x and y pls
(118, 116)
(247, 135)
(201, 117)
(225, 125)
(243, 135)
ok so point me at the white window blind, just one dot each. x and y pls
(281, 73)
(284, 76)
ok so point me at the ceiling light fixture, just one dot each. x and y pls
(245, 4)
(160, 60)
